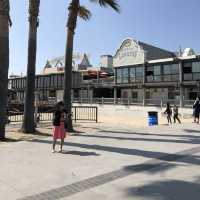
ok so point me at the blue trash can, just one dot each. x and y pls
(153, 118)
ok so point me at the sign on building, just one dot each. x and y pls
(129, 53)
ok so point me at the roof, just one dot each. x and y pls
(154, 52)
(57, 64)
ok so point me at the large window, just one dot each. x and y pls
(122, 75)
(139, 74)
(125, 75)
(154, 73)
(132, 75)
(191, 71)
(136, 74)
(119, 75)
(171, 72)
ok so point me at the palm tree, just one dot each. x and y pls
(28, 121)
(75, 10)
(4, 62)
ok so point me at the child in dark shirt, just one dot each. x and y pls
(175, 114)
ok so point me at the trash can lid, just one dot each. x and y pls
(152, 112)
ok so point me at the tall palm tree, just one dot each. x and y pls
(4, 61)
(28, 121)
(75, 10)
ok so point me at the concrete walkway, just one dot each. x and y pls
(156, 163)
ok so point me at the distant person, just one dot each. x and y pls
(168, 112)
(196, 110)
(59, 131)
(175, 114)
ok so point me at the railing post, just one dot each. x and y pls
(75, 113)
(96, 114)
(102, 101)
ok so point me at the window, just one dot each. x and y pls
(150, 71)
(188, 76)
(136, 74)
(154, 73)
(119, 75)
(191, 71)
(132, 75)
(125, 75)
(187, 68)
(196, 76)
(166, 69)
(134, 95)
(174, 69)
(171, 72)
(139, 74)
(196, 67)
(156, 70)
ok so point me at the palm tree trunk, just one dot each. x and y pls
(29, 109)
(72, 20)
(4, 62)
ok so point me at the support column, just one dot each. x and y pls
(143, 83)
(144, 96)
(91, 95)
(115, 95)
(181, 96)
(81, 95)
(72, 95)
(181, 88)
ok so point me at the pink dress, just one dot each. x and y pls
(59, 131)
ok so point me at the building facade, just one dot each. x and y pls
(48, 86)
(144, 72)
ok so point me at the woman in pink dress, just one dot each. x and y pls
(59, 126)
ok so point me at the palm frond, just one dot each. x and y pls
(84, 13)
(111, 3)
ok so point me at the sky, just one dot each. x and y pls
(166, 24)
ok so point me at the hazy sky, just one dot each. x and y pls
(164, 23)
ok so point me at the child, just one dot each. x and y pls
(175, 112)
(59, 126)
(168, 111)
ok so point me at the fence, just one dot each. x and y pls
(80, 113)
(132, 101)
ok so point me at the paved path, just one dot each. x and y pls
(156, 163)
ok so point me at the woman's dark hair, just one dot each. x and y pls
(168, 105)
(59, 104)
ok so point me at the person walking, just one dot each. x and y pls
(196, 110)
(168, 111)
(59, 131)
(175, 114)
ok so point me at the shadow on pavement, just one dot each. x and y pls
(187, 139)
(81, 153)
(194, 159)
(167, 190)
